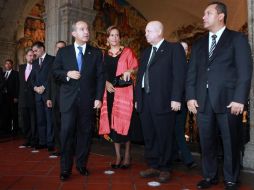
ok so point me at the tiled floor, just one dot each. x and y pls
(22, 170)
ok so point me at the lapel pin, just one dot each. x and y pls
(89, 52)
(162, 51)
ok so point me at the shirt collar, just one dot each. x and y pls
(29, 65)
(218, 33)
(76, 47)
(43, 56)
(158, 44)
(9, 71)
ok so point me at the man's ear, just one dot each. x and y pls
(73, 34)
(221, 16)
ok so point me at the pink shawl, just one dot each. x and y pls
(123, 99)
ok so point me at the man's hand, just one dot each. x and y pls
(74, 75)
(37, 89)
(126, 75)
(192, 106)
(97, 104)
(49, 103)
(236, 108)
(41, 89)
(175, 106)
(109, 87)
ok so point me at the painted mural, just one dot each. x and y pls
(123, 15)
(34, 26)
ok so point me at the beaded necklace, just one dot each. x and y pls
(115, 54)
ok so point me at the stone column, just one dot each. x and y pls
(59, 17)
(7, 49)
(248, 160)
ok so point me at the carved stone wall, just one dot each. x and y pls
(59, 17)
(248, 160)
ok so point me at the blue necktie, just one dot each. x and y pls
(80, 58)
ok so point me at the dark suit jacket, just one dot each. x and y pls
(1, 85)
(228, 73)
(40, 75)
(53, 89)
(26, 92)
(89, 87)
(166, 76)
(11, 85)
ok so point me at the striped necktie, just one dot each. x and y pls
(213, 45)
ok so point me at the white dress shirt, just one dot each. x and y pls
(157, 47)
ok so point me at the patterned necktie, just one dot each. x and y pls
(80, 58)
(40, 61)
(146, 79)
(213, 45)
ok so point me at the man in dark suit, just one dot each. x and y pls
(217, 88)
(42, 66)
(53, 92)
(27, 101)
(159, 91)
(79, 67)
(10, 104)
(1, 98)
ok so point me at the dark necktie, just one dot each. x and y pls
(146, 79)
(6, 75)
(40, 61)
(213, 45)
(80, 57)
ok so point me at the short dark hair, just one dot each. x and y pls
(9, 60)
(39, 44)
(60, 41)
(221, 8)
(109, 29)
(28, 50)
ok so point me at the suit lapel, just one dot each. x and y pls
(146, 57)
(86, 57)
(44, 62)
(204, 49)
(23, 72)
(73, 56)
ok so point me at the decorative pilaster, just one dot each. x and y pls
(248, 159)
(59, 17)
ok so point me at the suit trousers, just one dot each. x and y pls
(75, 134)
(158, 131)
(57, 125)
(229, 127)
(44, 124)
(10, 115)
(181, 144)
(29, 125)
